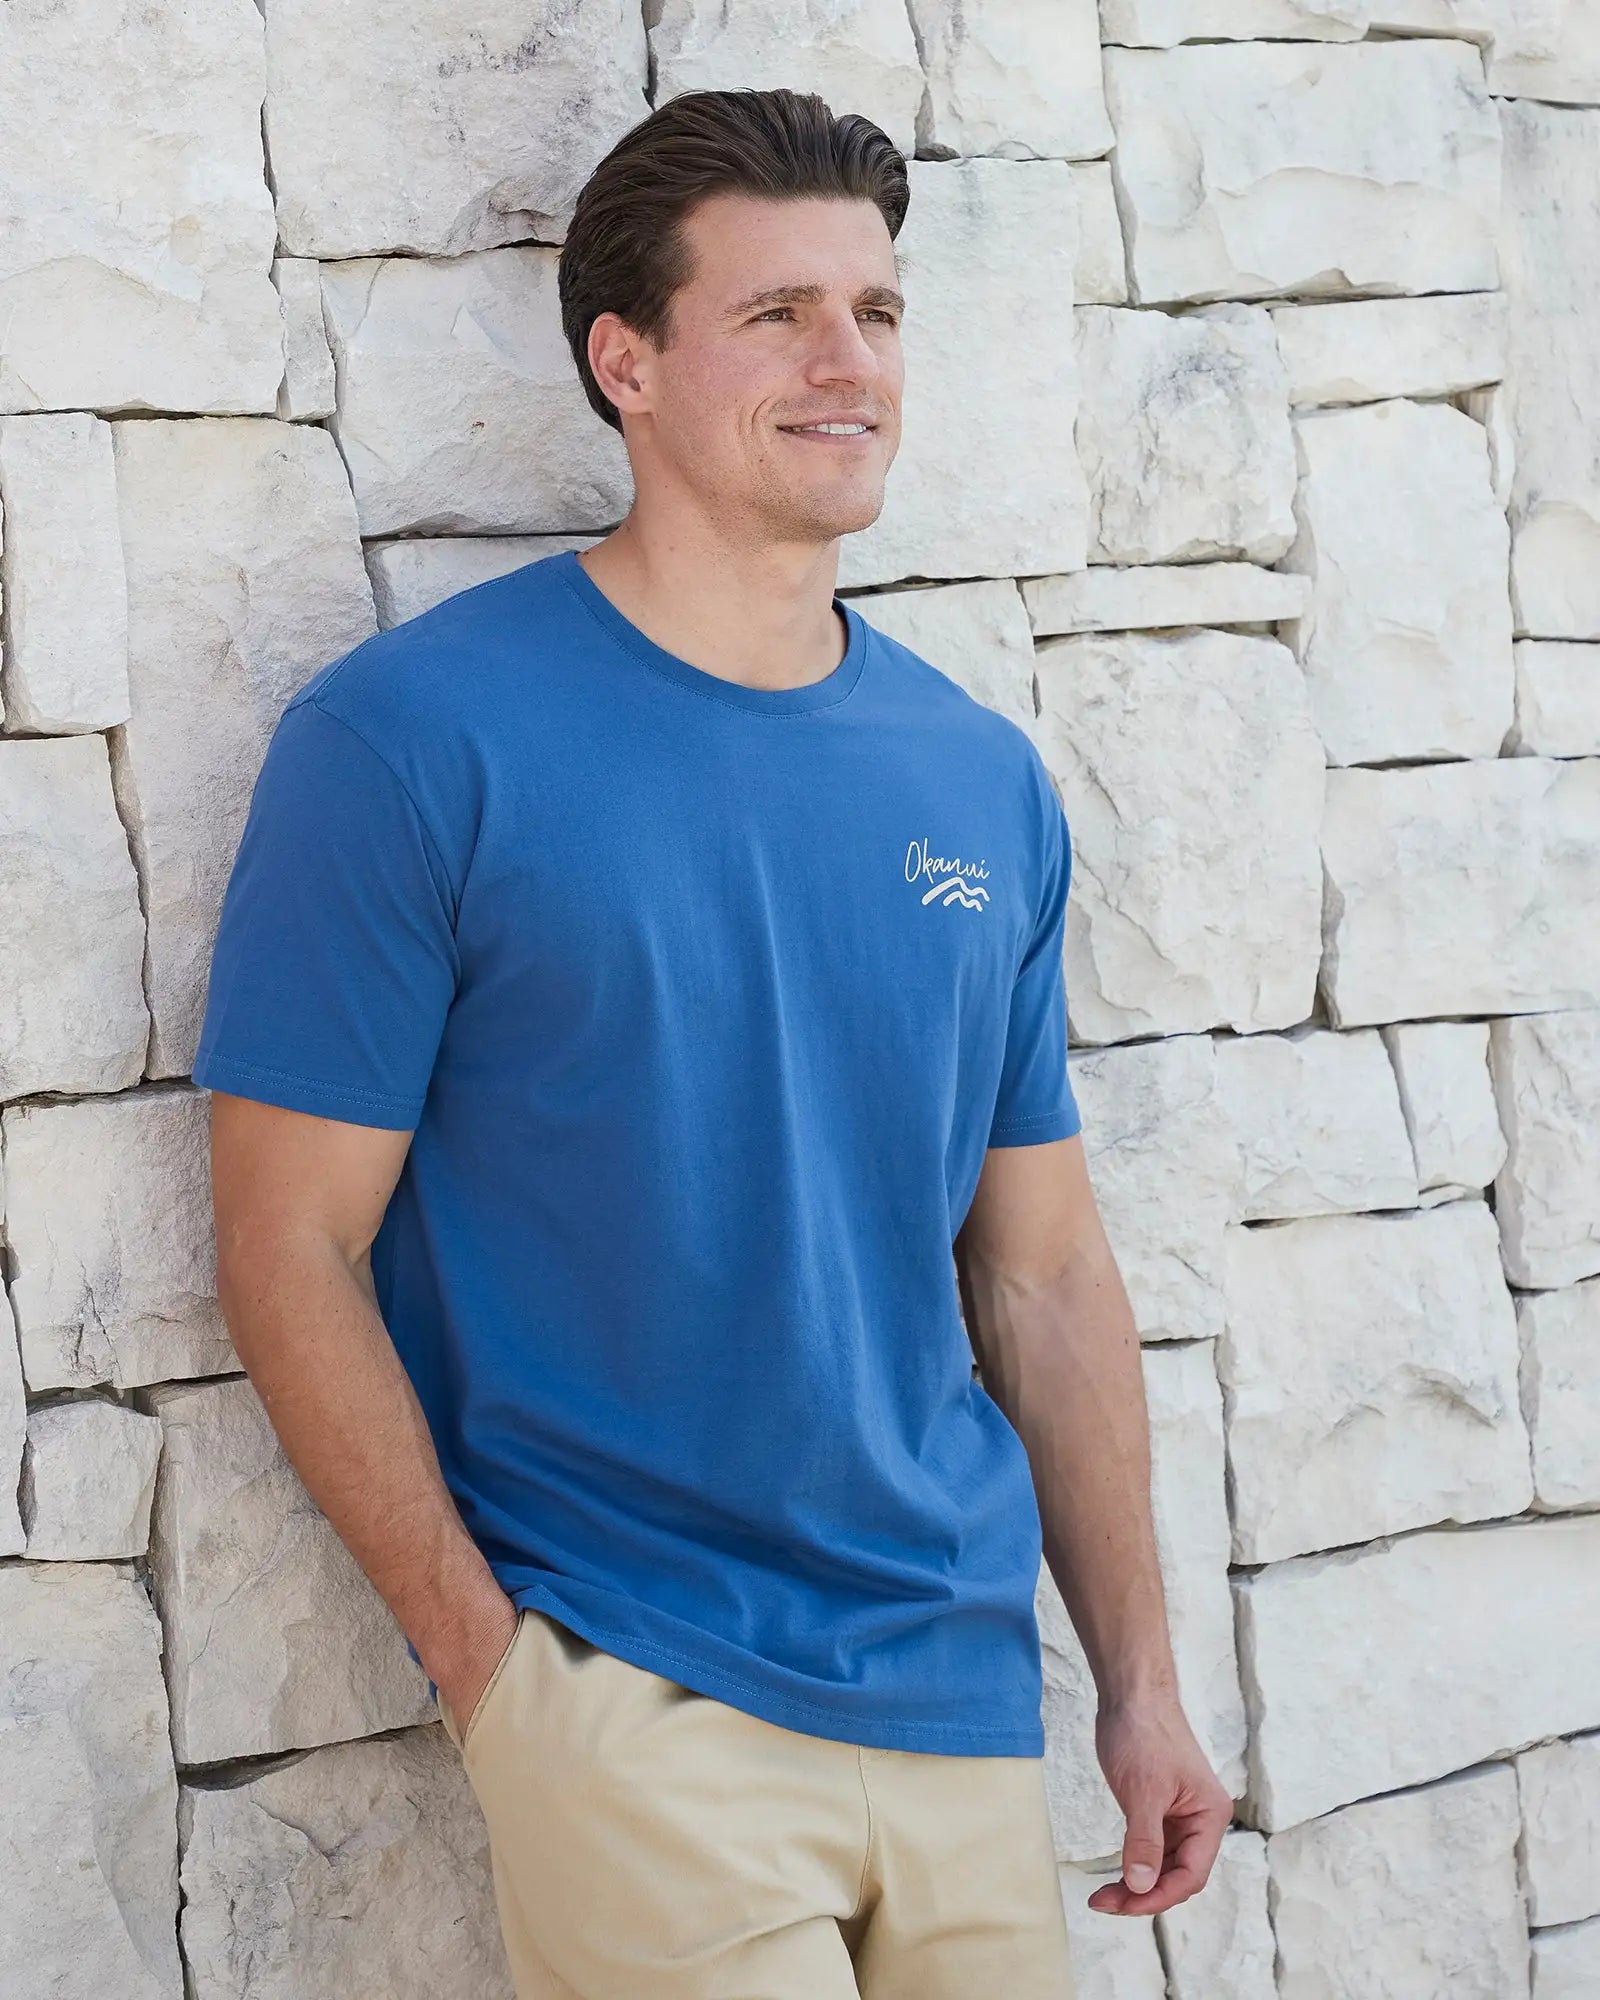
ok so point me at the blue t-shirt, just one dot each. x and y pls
(702, 1002)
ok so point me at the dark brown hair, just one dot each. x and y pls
(625, 251)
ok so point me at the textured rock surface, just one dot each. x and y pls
(13, 1438)
(459, 410)
(306, 392)
(275, 1639)
(1320, 1127)
(1559, 1787)
(1406, 640)
(1101, 274)
(1460, 888)
(1192, 780)
(1442, 1069)
(859, 55)
(1504, 1616)
(1220, 1941)
(413, 125)
(1414, 1893)
(1545, 48)
(1561, 1392)
(1189, 1507)
(90, 1860)
(1019, 79)
(361, 1868)
(976, 633)
(1566, 1962)
(1558, 700)
(1391, 151)
(1550, 255)
(1184, 436)
(410, 577)
(110, 1221)
(1370, 1364)
(88, 1478)
(133, 263)
(1546, 1074)
(1164, 23)
(1357, 350)
(72, 1011)
(1143, 597)
(66, 598)
(1164, 1158)
(987, 480)
(244, 577)
(1113, 1958)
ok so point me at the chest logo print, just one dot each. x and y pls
(952, 881)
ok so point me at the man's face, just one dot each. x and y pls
(792, 317)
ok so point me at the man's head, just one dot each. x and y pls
(729, 274)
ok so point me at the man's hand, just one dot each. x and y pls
(1176, 1808)
(462, 1679)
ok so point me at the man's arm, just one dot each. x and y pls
(298, 1200)
(1054, 1334)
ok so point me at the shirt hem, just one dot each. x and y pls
(297, 1093)
(873, 1732)
(1034, 1131)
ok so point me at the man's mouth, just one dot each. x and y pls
(842, 429)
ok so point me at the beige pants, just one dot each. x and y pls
(652, 1843)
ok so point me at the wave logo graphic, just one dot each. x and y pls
(951, 880)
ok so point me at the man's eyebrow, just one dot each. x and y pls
(813, 294)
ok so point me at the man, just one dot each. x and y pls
(636, 1024)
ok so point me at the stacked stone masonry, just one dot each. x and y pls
(1251, 464)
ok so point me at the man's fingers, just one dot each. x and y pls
(1144, 1846)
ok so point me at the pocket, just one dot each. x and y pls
(492, 1683)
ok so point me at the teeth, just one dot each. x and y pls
(832, 430)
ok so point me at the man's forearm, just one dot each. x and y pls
(1062, 1361)
(306, 1326)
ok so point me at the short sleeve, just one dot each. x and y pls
(335, 959)
(1035, 1100)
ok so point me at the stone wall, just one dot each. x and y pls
(1252, 462)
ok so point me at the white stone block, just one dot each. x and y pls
(1164, 23)
(1545, 48)
(1220, 1941)
(1101, 274)
(72, 1009)
(1019, 79)
(244, 578)
(1113, 1958)
(1546, 1074)
(66, 596)
(1442, 1068)
(1192, 778)
(1406, 640)
(1358, 350)
(418, 125)
(858, 55)
(1147, 597)
(410, 577)
(88, 1477)
(1318, 171)
(1414, 1893)
(1320, 1127)
(306, 392)
(13, 1437)
(1184, 435)
(1559, 1787)
(1190, 1514)
(139, 231)
(275, 1637)
(1550, 252)
(1370, 1364)
(1461, 888)
(1561, 1392)
(1558, 699)
(1372, 1668)
(460, 410)
(88, 1838)
(1566, 1962)
(1164, 1158)
(1491, 407)
(111, 1226)
(977, 634)
(986, 481)
(359, 1869)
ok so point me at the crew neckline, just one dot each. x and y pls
(825, 693)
